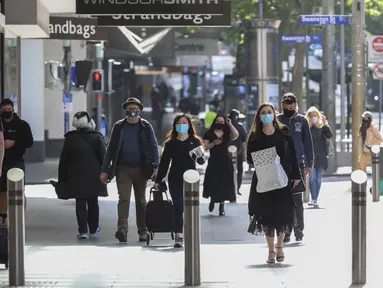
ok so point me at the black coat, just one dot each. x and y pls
(80, 164)
(319, 136)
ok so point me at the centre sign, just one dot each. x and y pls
(144, 7)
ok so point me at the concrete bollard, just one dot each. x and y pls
(359, 248)
(233, 152)
(16, 220)
(192, 229)
(375, 151)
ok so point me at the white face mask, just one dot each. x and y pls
(314, 120)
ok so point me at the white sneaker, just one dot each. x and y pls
(311, 203)
(82, 236)
(316, 204)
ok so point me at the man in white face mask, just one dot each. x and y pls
(132, 156)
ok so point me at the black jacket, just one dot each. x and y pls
(80, 164)
(319, 136)
(148, 144)
(19, 131)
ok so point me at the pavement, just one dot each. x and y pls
(41, 173)
(230, 257)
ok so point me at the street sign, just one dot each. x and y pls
(378, 72)
(325, 19)
(144, 7)
(170, 20)
(375, 49)
(301, 39)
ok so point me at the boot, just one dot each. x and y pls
(221, 209)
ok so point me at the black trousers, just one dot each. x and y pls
(299, 209)
(87, 213)
(239, 169)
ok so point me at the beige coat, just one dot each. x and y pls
(373, 137)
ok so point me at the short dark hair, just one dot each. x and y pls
(6, 102)
(289, 98)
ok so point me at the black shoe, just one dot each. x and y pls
(287, 238)
(298, 235)
(211, 207)
(221, 209)
(239, 193)
(122, 236)
(142, 237)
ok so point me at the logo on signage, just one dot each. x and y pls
(87, 31)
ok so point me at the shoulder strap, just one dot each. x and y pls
(91, 146)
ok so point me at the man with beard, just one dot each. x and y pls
(17, 138)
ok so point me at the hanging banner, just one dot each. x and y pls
(169, 20)
(144, 7)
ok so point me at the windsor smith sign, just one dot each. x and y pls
(144, 7)
(170, 20)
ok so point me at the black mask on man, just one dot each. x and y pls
(288, 113)
(7, 114)
(131, 113)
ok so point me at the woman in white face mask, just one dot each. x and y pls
(320, 133)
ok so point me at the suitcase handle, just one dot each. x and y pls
(153, 190)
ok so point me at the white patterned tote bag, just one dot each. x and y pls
(270, 173)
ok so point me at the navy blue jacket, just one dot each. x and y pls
(301, 134)
(148, 144)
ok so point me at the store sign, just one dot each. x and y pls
(76, 29)
(144, 7)
(169, 20)
(191, 46)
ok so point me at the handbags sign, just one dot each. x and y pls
(143, 7)
(169, 20)
(76, 29)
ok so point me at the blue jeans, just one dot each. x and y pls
(177, 193)
(316, 182)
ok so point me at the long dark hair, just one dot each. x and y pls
(226, 130)
(256, 128)
(192, 131)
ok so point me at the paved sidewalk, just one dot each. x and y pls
(230, 257)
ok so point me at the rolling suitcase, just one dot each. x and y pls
(3, 240)
(159, 215)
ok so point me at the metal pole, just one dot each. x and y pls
(375, 151)
(99, 58)
(16, 234)
(233, 152)
(307, 78)
(260, 12)
(192, 229)
(18, 77)
(342, 82)
(110, 92)
(359, 249)
(329, 69)
(358, 77)
(67, 80)
(380, 102)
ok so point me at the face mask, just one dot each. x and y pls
(182, 128)
(7, 114)
(364, 121)
(267, 119)
(288, 113)
(218, 126)
(131, 113)
(218, 133)
(314, 120)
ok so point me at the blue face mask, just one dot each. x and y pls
(267, 119)
(182, 128)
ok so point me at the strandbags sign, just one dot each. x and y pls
(76, 29)
(169, 20)
(144, 7)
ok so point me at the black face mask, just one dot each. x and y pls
(366, 122)
(7, 114)
(131, 113)
(218, 126)
(288, 113)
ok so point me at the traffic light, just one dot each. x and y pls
(98, 80)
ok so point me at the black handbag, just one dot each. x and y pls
(62, 190)
(301, 187)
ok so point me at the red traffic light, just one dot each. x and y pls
(97, 76)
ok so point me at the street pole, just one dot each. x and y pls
(99, 57)
(380, 102)
(342, 82)
(358, 77)
(67, 82)
(308, 102)
(110, 93)
(260, 12)
(328, 79)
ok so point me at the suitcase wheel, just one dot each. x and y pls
(147, 239)
(172, 235)
(151, 235)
